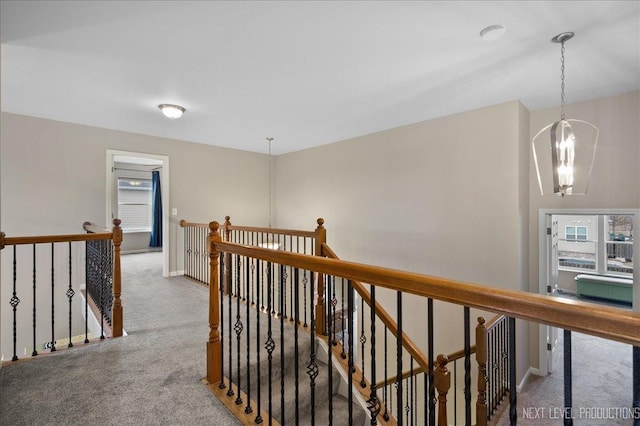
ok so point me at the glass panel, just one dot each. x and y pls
(575, 249)
(620, 244)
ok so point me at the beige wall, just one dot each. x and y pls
(443, 197)
(54, 178)
(615, 178)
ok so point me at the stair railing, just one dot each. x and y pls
(195, 252)
(43, 266)
(601, 321)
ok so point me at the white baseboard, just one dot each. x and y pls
(176, 273)
(136, 251)
(529, 372)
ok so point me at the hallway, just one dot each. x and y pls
(150, 377)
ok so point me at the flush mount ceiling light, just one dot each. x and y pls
(564, 161)
(171, 111)
(492, 32)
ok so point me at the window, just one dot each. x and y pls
(599, 243)
(575, 233)
(134, 204)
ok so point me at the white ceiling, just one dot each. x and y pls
(306, 73)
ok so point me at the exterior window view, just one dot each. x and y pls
(581, 246)
(134, 204)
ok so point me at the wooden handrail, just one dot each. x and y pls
(602, 321)
(406, 374)
(184, 224)
(388, 321)
(277, 231)
(93, 228)
(44, 239)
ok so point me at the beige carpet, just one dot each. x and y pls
(602, 387)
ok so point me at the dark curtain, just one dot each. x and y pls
(156, 211)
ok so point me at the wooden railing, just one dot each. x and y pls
(196, 256)
(602, 321)
(25, 276)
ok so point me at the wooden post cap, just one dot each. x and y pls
(481, 320)
(117, 222)
(227, 219)
(182, 223)
(320, 222)
(2, 236)
(214, 226)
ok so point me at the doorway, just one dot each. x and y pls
(589, 242)
(136, 163)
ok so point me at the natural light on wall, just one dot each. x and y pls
(564, 151)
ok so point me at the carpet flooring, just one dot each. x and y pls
(602, 387)
(150, 377)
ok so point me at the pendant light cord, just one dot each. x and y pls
(269, 140)
(562, 102)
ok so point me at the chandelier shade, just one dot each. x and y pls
(564, 151)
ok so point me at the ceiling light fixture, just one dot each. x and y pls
(492, 32)
(564, 165)
(171, 111)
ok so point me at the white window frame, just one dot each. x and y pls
(126, 229)
(575, 234)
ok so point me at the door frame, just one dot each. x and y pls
(164, 189)
(543, 266)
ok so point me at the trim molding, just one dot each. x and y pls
(176, 273)
(524, 380)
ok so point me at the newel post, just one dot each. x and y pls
(442, 382)
(2, 237)
(320, 238)
(481, 358)
(116, 309)
(214, 348)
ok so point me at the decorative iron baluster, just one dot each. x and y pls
(34, 353)
(312, 367)
(14, 304)
(513, 416)
(385, 416)
(248, 278)
(304, 291)
(53, 301)
(343, 354)
(373, 403)
(87, 269)
(330, 331)
(363, 340)
(350, 363)
(430, 356)
(333, 304)
(230, 291)
(252, 280)
(399, 403)
(296, 314)
(258, 419)
(269, 344)
(70, 293)
(409, 408)
(101, 274)
(467, 367)
(282, 295)
(238, 327)
(222, 287)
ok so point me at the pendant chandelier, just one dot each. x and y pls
(564, 151)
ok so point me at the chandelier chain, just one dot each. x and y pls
(562, 102)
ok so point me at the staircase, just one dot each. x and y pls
(275, 380)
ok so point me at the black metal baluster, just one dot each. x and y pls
(269, 344)
(342, 330)
(70, 293)
(363, 340)
(568, 379)
(513, 416)
(248, 276)
(467, 367)
(430, 355)
(282, 295)
(455, 393)
(102, 268)
(230, 292)
(14, 304)
(385, 416)
(410, 393)
(238, 327)
(259, 418)
(222, 286)
(350, 363)
(34, 353)
(331, 330)
(399, 403)
(636, 382)
(373, 403)
(87, 272)
(312, 367)
(53, 300)
(296, 279)
(304, 292)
